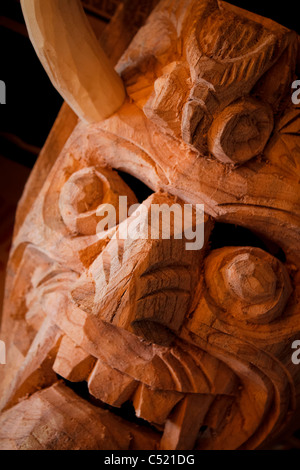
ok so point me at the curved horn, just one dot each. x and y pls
(73, 58)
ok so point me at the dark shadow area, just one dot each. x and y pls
(141, 191)
(285, 13)
(233, 235)
(126, 411)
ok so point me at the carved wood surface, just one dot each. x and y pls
(199, 342)
(76, 64)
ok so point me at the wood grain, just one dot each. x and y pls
(195, 343)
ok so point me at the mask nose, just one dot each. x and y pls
(143, 285)
(132, 291)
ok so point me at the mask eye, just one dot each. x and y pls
(247, 283)
(83, 194)
(241, 131)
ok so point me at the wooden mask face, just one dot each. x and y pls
(198, 341)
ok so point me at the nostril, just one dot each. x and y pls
(153, 331)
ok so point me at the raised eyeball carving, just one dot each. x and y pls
(248, 284)
(241, 131)
(84, 193)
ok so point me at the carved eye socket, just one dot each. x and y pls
(84, 192)
(241, 131)
(247, 283)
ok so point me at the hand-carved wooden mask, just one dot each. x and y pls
(199, 342)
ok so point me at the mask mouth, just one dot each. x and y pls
(180, 390)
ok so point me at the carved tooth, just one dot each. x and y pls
(154, 405)
(111, 386)
(73, 363)
(182, 428)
